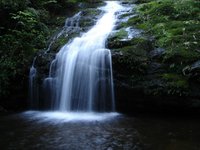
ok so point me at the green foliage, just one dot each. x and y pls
(13, 4)
(175, 25)
(24, 29)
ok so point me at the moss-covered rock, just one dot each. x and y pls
(88, 18)
(160, 70)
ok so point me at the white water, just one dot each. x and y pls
(61, 117)
(39, 97)
(71, 26)
(33, 94)
(80, 77)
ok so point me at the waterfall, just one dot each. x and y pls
(80, 76)
(71, 26)
(33, 94)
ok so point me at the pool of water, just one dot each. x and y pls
(169, 132)
(108, 131)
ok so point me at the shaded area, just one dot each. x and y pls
(168, 133)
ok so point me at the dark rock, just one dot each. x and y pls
(156, 53)
(155, 67)
(42, 64)
(192, 70)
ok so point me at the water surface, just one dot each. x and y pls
(112, 131)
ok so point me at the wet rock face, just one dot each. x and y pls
(143, 80)
(42, 64)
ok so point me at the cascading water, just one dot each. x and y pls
(80, 77)
(71, 26)
(33, 94)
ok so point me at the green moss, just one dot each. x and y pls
(143, 43)
(134, 20)
(116, 39)
(181, 55)
(120, 34)
(58, 43)
(175, 25)
(132, 59)
(133, 50)
(143, 26)
(140, 40)
(127, 14)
